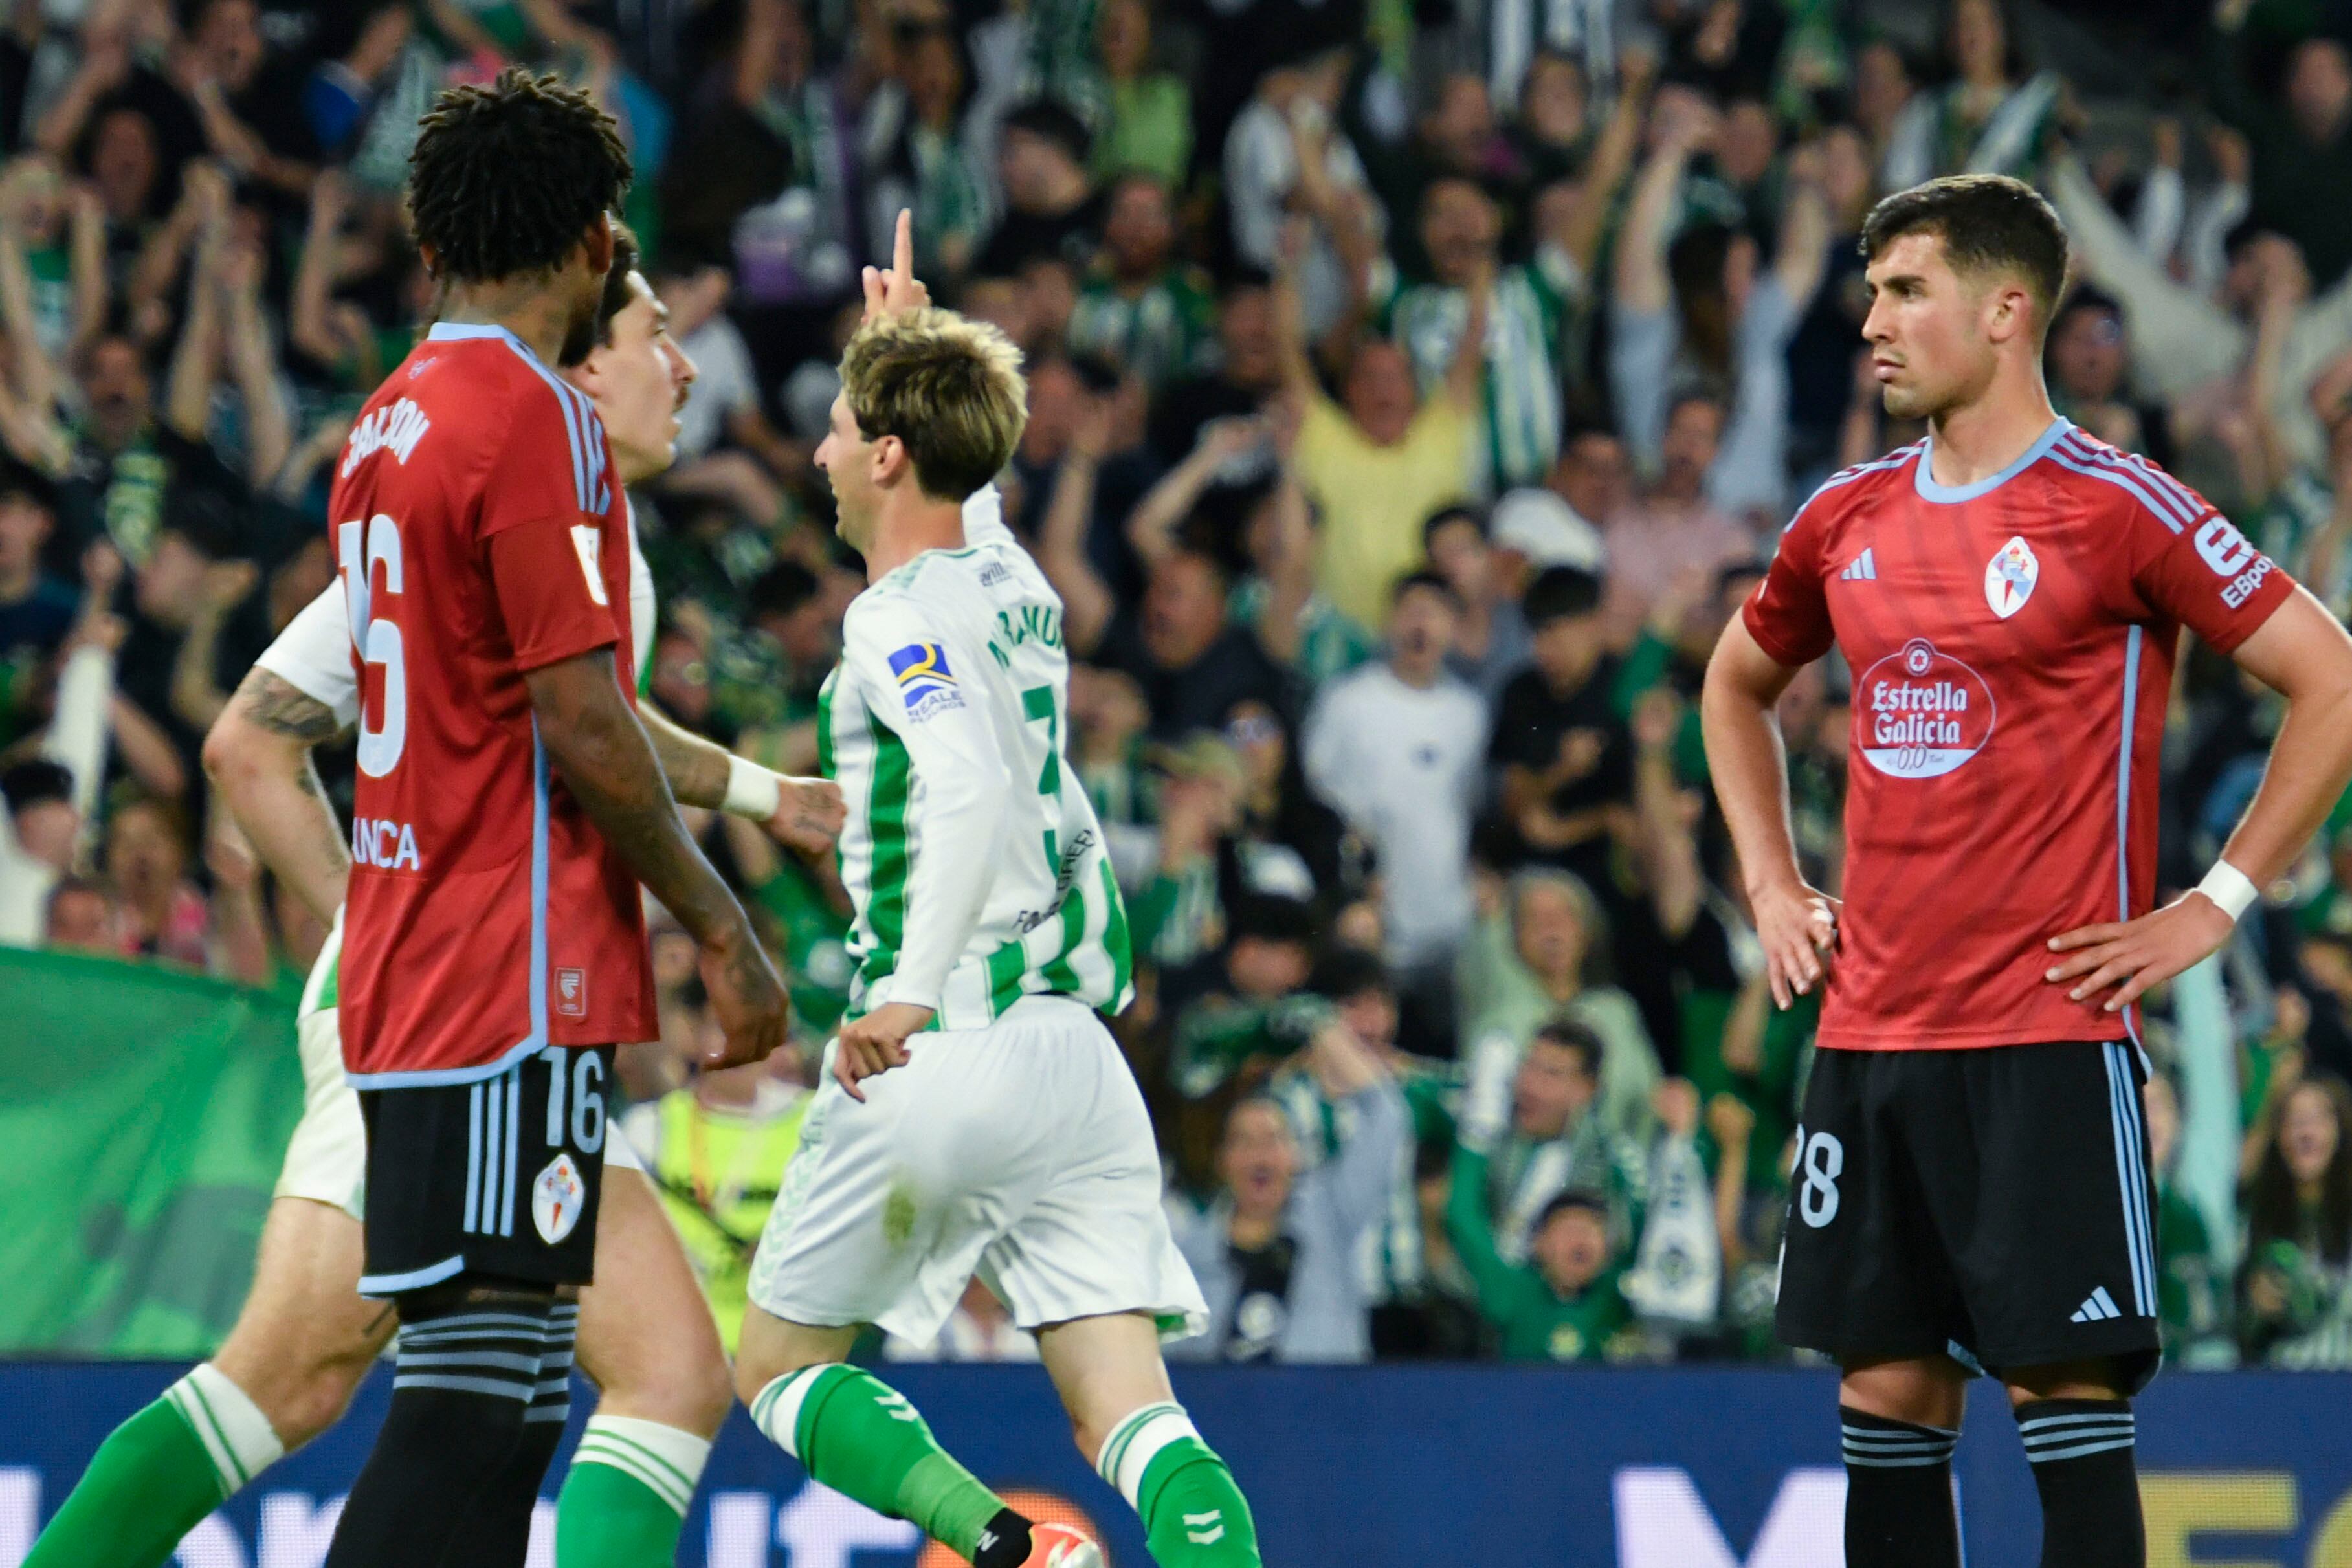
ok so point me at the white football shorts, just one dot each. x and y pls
(1020, 1152)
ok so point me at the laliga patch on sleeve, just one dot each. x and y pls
(925, 681)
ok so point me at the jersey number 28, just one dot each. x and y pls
(360, 548)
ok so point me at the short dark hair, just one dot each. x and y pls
(1348, 972)
(598, 334)
(1044, 117)
(1987, 222)
(1574, 1200)
(1570, 1036)
(24, 482)
(1560, 594)
(34, 780)
(2088, 297)
(504, 179)
(1457, 513)
(1274, 917)
(208, 519)
(1423, 579)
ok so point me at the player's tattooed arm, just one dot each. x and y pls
(695, 766)
(597, 744)
(259, 756)
(271, 702)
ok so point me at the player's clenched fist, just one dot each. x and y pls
(875, 1043)
(746, 994)
(808, 816)
(1797, 925)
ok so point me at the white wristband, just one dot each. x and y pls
(2231, 888)
(753, 790)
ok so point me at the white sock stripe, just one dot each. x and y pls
(231, 1425)
(2059, 1439)
(1166, 1425)
(2033, 1424)
(496, 1387)
(1107, 1461)
(637, 1468)
(492, 1360)
(1898, 1462)
(519, 1323)
(225, 1471)
(784, 1398)
(2079, 1451)
(1898, 1446)
(422, 1340)
(670, 1459)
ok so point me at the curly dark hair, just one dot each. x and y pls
(504, 179)
(588, 336)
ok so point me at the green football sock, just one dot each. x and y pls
(625, 1498)
(853, 1432)
(1194, 1514)
(158, 1475)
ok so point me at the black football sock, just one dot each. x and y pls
(499, 1534)
(1898, 1493)
(2081, 1454)
(1004, 1543)
(461, 1386)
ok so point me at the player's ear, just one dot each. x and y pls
(599, 240)
(891, 460)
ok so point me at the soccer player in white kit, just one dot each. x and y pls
(305, 1337)
(978, 1115)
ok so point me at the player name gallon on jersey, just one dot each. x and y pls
(479, 534)
(2012, 643)
(952, 642)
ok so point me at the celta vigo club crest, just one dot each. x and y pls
(2010, 577)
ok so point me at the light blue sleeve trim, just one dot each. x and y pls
(415, 1280)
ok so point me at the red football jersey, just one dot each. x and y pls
(2012, 643)
(479, 535)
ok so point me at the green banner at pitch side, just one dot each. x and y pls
(144, 1113)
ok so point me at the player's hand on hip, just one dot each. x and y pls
(1799, 928)
(747, 995)
(2139, 955)
(808, 815)
(896, 292)
(875, 1043)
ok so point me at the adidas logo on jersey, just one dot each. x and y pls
(1863, 568)
(2098, 1309)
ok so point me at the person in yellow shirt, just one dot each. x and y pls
(716, 1151)
(1377, 467)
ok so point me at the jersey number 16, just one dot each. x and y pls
(360, 548)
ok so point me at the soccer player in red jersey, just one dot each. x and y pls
(507, 804)
(1972, 1185)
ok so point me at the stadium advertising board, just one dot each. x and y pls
(1387, 1467)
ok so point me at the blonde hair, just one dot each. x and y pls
(949, 388)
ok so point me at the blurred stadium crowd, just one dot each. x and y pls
(1416, 387)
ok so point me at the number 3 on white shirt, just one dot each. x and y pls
(360, 548)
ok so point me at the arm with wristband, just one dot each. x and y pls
(2291, 643)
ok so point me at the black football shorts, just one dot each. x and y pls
(1990, 1204)
(496, 1181)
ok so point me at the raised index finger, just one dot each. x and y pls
(902, 251)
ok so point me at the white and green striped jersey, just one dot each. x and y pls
(973, 860)
(1529, 319)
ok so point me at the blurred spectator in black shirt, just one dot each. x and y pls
(1051, 205)
(1559, 739)
(36, 609)
(1246, 375)
(125, 460)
